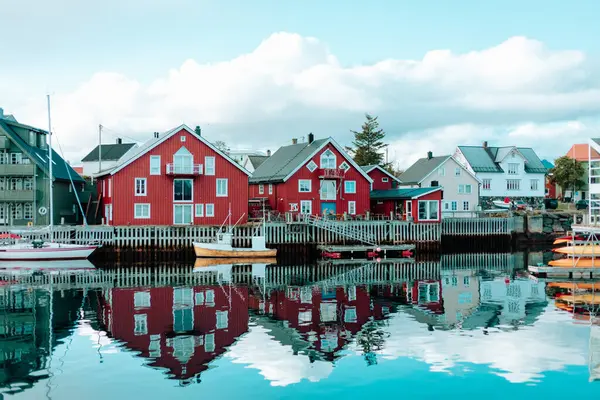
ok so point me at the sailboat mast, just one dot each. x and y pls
(50, 192)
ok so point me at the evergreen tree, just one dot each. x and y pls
(368, 143)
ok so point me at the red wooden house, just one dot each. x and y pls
(182, 329)
(382, 179)
(416, 204)
(316, 177)
(177, 178)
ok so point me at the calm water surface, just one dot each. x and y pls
(450, 328)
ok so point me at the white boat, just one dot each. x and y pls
(501, 204)
(47, 266)
(18, 249)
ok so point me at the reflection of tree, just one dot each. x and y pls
(371, 338)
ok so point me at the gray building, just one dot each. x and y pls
(24, 185)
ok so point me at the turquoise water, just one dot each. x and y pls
(279, 332)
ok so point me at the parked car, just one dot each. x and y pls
(551, 204)
(582, 204)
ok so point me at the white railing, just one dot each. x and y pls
(194, 169)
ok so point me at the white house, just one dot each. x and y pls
(514, 297)
(594, 181)
(252, 161)
(514, 172)
(109, 156)
(460, 186)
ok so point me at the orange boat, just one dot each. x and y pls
(567, 239)
(209, 262)
(574, 285)
(575, 263)
(585, 250)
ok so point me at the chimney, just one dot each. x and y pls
(119, 141)
(429, 155)
(485, 144)
(268, 153)
(198, 130)
(294, 140)
(156, 135)
(311, 138)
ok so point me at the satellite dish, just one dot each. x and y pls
(42, 210)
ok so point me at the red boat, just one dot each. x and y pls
(407, 253)
(328, 254)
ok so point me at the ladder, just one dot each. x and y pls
(341, 229)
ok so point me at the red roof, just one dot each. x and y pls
(580, 152)
(79, 170)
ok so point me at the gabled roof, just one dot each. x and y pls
(547, 164)
(422, 168)
(486, 159)
(289, 159)
(580, 152)
(256, 161)
(369, 168)
(110, 152)
(60, 168)
(403, 193)
(154, 142)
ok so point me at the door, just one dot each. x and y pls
(306, 207)
(328, 190)
(328, 208)
(182, 214)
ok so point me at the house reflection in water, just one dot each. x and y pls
(182, 329)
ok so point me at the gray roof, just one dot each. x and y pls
(486, 159)
(256, 161)
(110, 152)
(60, 168)
(596, 140)
(284, 161)
(420, 169)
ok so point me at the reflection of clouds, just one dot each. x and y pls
(276, 362)
(518, 356)
(99, 338)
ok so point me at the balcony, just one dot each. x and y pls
(17, 169)
(331, 173)
(189, 170)
(17, 195)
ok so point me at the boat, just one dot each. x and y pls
(575, 263)
(501, 204)
(222, 246)
(584, 250)
(567, 239)
(208, 262)
(47, 266)
(16, 247)
(574, 285)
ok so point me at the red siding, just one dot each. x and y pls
(286, 194)
(437, 195)
(160, 187)
(386, 207)
(378, 183)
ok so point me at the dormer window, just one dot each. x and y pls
(183, 161)
(328, 160)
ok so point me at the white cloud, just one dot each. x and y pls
(291, 85)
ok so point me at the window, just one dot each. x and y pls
(199, 298)
(534, 184)
(210, 210)
(16, 184)
(141, 299)
(304, 185)
(513, 184)
(28, 211)
(182, 138)
(209, 165)
(450, 206)
(209, 343)
(140, 324)
(486, 184)
(183, 161)
(457, 171)
(304, 317)
(328, 311)
(182, 214)
(328, 190)
(199, 210)
(183, 319)
(428, 210)
(385, 180)
(465, 189)
(270, 188)
(140, 187)
(408, 208)
(182, 189)
(15, 158)
(294, 207)
(17, 211)
(465, 206)
(222, 320)
(350, 315)
(344, 166)
(442, 171)
(32, 140)
(261, 189)
(210, 297)
(352, 207)
(328, 160)
(183, 297)
(221, 187)
(306, 206)
(311, 166)
(154, 165)
(513, 169)
(141, 211)
(466, 280)
(350, 187)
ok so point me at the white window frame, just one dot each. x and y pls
(261, 189)
(183, 161)
(385, 179)
(222, 319)
(344, 166)
(352, 207)
(428, 210)
(468, 189)
(513, 168)
(209, 165)
(304, 181)
(534, 184)
(325, 195)
(142, 299)
(513, 185)
(182, 138)
(154, 169)
(184, 206)
(209, 210)
(270, 188)
(466, 205)
(221, 193)
(305, 203)
(140, 215)
(408, 207)
(199, 210)
(328, 159)
(346, 183)
(442, 171)
(141, 193)
(486, 184)
(457, 171)
(140, 324)
(183, 201)
(312, 166)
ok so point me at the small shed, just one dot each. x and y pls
(416, 204)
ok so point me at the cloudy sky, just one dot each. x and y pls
(257, 73)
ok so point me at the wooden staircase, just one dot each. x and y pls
(339, 228)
